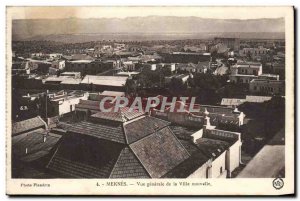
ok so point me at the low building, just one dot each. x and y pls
(95, 82)
(128, 144)
(67, 81)
(184, 78)
(58, 64)
(128, 65)
(63, 103)
(169, 66)
(28, 125)
(32, 146)
(267, 87)
(128, 74)
(235, 102)
(185, 57)
(222, 117)
(75, 75)
(245, 72)
(148, 66)
(201, 67)
(253, 52)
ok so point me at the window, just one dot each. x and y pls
(221, 170)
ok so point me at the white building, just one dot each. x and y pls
(253, 52)
(149, 66)
(128, 65)
(245, 72)
(65, 103)
(268, 87)
(58, 64)
(170, 66)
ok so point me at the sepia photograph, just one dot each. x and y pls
(150, 100)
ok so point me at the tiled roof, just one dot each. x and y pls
(33, 141)
(159, 152)
(183, 132)
(187, 167)
(128, 166)
(189, 146)
(75, 169)
(122, 115)
(141, 127)
(84, 157)
(27, 125)
(212, 147)
(106, 132)
(88, 104)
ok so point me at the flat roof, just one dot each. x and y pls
(105, 80)
(81, 61)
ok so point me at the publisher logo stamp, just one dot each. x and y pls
(278, 183)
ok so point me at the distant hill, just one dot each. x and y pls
(152, 25)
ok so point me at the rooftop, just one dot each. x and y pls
(159, 152)
(33, 143)
(107, 132)
(105, 80)
(122, 115)
(141, 127)
(27, 125)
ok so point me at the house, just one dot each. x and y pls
(128, 144)
(253, 52)
(104, 82)
(128, 65)
(235, 102)
(214, 153)
(28, 125)
(185, 57)
(200, 67)
(148, 66)
(267, 87)
(55, 56)
(75, 75)
(127, 74)
(181, 77)
(58, 64)
(245, 72)
(220, 116)
(32, 145)
(65, 81)
(169, 66)
(63, 103)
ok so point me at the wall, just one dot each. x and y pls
(233, 157)
(217, 164)
(201, 172)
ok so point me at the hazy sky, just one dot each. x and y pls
(122, 12)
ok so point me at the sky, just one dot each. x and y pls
(123, 12)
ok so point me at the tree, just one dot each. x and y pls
(177, 86)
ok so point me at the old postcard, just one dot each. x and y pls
(150, 100)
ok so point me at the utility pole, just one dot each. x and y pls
(46, 105)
